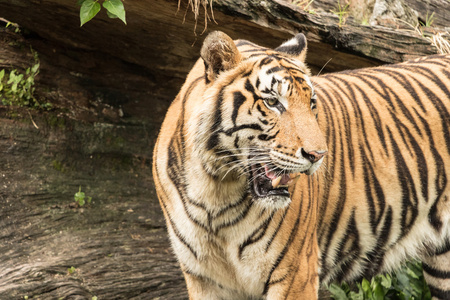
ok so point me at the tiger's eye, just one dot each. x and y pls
(272, 101)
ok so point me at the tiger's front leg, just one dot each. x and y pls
(298, 279)
(436, 270)
(295, 287)
(201, 288)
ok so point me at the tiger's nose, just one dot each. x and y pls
(313, 156)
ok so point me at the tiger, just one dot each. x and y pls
(274, 183)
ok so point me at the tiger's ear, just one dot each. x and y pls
(296, 46)
(219, 54)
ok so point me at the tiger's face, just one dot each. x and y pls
(258, 122)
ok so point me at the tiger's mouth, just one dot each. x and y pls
(268, 180)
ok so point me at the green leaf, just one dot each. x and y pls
(35, 69)
(365, 284)
(88, 10)
(337, 293)
(79, 197)
(14, 87)
(12, 76)
(2, 74)
(386, 281)
(356, 296)
(115, 7)
(19, 78)
(111, 15)
(378, 292)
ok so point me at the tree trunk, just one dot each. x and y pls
(110, 86)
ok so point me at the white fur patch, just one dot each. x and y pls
(291, 42)
(277, 90)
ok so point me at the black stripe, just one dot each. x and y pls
(339, 206)
(282, 253)
(385, 95)
(238, 100)
(175, 230)
(265, 61)
(230, 131)
(225, 209)
(176, 172)
(263, 113)
(374, 192)
(435, 272)
(236, 220)
(256, 235)
(441, 109)
(439, 293)
(376, 255)
(409, 209)
(274, 69)
(213, 140)
(277, 229)
(337, 93)
(444, 249)
(433, 216)
(169, 217)
(265, 137)
(348, 249)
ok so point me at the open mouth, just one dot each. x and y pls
(269, 180)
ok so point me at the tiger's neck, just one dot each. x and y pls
(210, 185)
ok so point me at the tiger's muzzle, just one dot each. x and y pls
(268, 180)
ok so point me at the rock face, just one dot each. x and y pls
(392, 13)
(110, 86)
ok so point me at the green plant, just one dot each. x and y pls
(341, 12)
(17, 88)
(429, 19)
(365, 21)
(81, 199)
(15, 25)
(304, 4)
(407, 283)
(90, 8)
(71, 270)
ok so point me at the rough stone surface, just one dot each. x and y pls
(393, 13)
(110, 86)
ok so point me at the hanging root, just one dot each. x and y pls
(197, 6)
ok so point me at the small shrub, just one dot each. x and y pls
(81, 199)
(71, 270)
(341, 12)
(407, 283)
(429, 19)
(17, 88)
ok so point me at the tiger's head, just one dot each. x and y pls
(258, 117)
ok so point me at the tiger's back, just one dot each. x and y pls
(386, 196)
